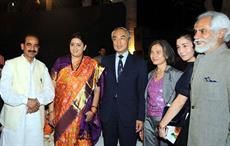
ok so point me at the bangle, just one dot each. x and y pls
(92, 112)
(93, 109)
(49, 112)
(94, 106)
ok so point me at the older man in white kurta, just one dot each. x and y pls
(24, 78)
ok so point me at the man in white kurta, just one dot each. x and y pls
(25, 87)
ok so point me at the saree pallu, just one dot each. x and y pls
(73, 98)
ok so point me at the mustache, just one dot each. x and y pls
(32, 51)
(197, 41)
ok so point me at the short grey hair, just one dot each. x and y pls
(126, 30)
(218, 21)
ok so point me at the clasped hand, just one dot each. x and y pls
(162, 132)
(32, 105)
(89, 116)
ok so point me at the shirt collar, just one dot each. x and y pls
(125, 54)
(27, 60)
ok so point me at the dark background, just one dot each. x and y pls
(156, 19)
(167, 19)
(56, 26)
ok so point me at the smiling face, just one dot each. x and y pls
(185, 49)
(30, 47)
(77, 47)
(120, 40)
(157, 55)
(205, 38)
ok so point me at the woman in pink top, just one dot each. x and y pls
(160, 89)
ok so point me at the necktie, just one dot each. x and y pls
(120, 65)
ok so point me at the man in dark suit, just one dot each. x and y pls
(123, 105)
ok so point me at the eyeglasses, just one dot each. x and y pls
(35, 46)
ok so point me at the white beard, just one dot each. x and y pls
(209, 43)
(201, 49)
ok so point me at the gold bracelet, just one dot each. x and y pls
(93, 109)
(94, 106)
(49, 112)
(92, 112)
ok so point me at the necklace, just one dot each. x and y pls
(159, 74)
(75, 66)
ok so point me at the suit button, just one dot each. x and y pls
(115, 96)
(193, 107)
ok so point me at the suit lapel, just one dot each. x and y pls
(112, 66)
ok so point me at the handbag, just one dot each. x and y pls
(179, 119)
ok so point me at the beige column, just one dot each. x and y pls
(208, 5)
(49, 5)
(131, 18)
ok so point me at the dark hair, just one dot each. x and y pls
(79, 36)
(186, 36)
(167, 50)
(30, 34)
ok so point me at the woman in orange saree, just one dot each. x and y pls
(77, 90)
